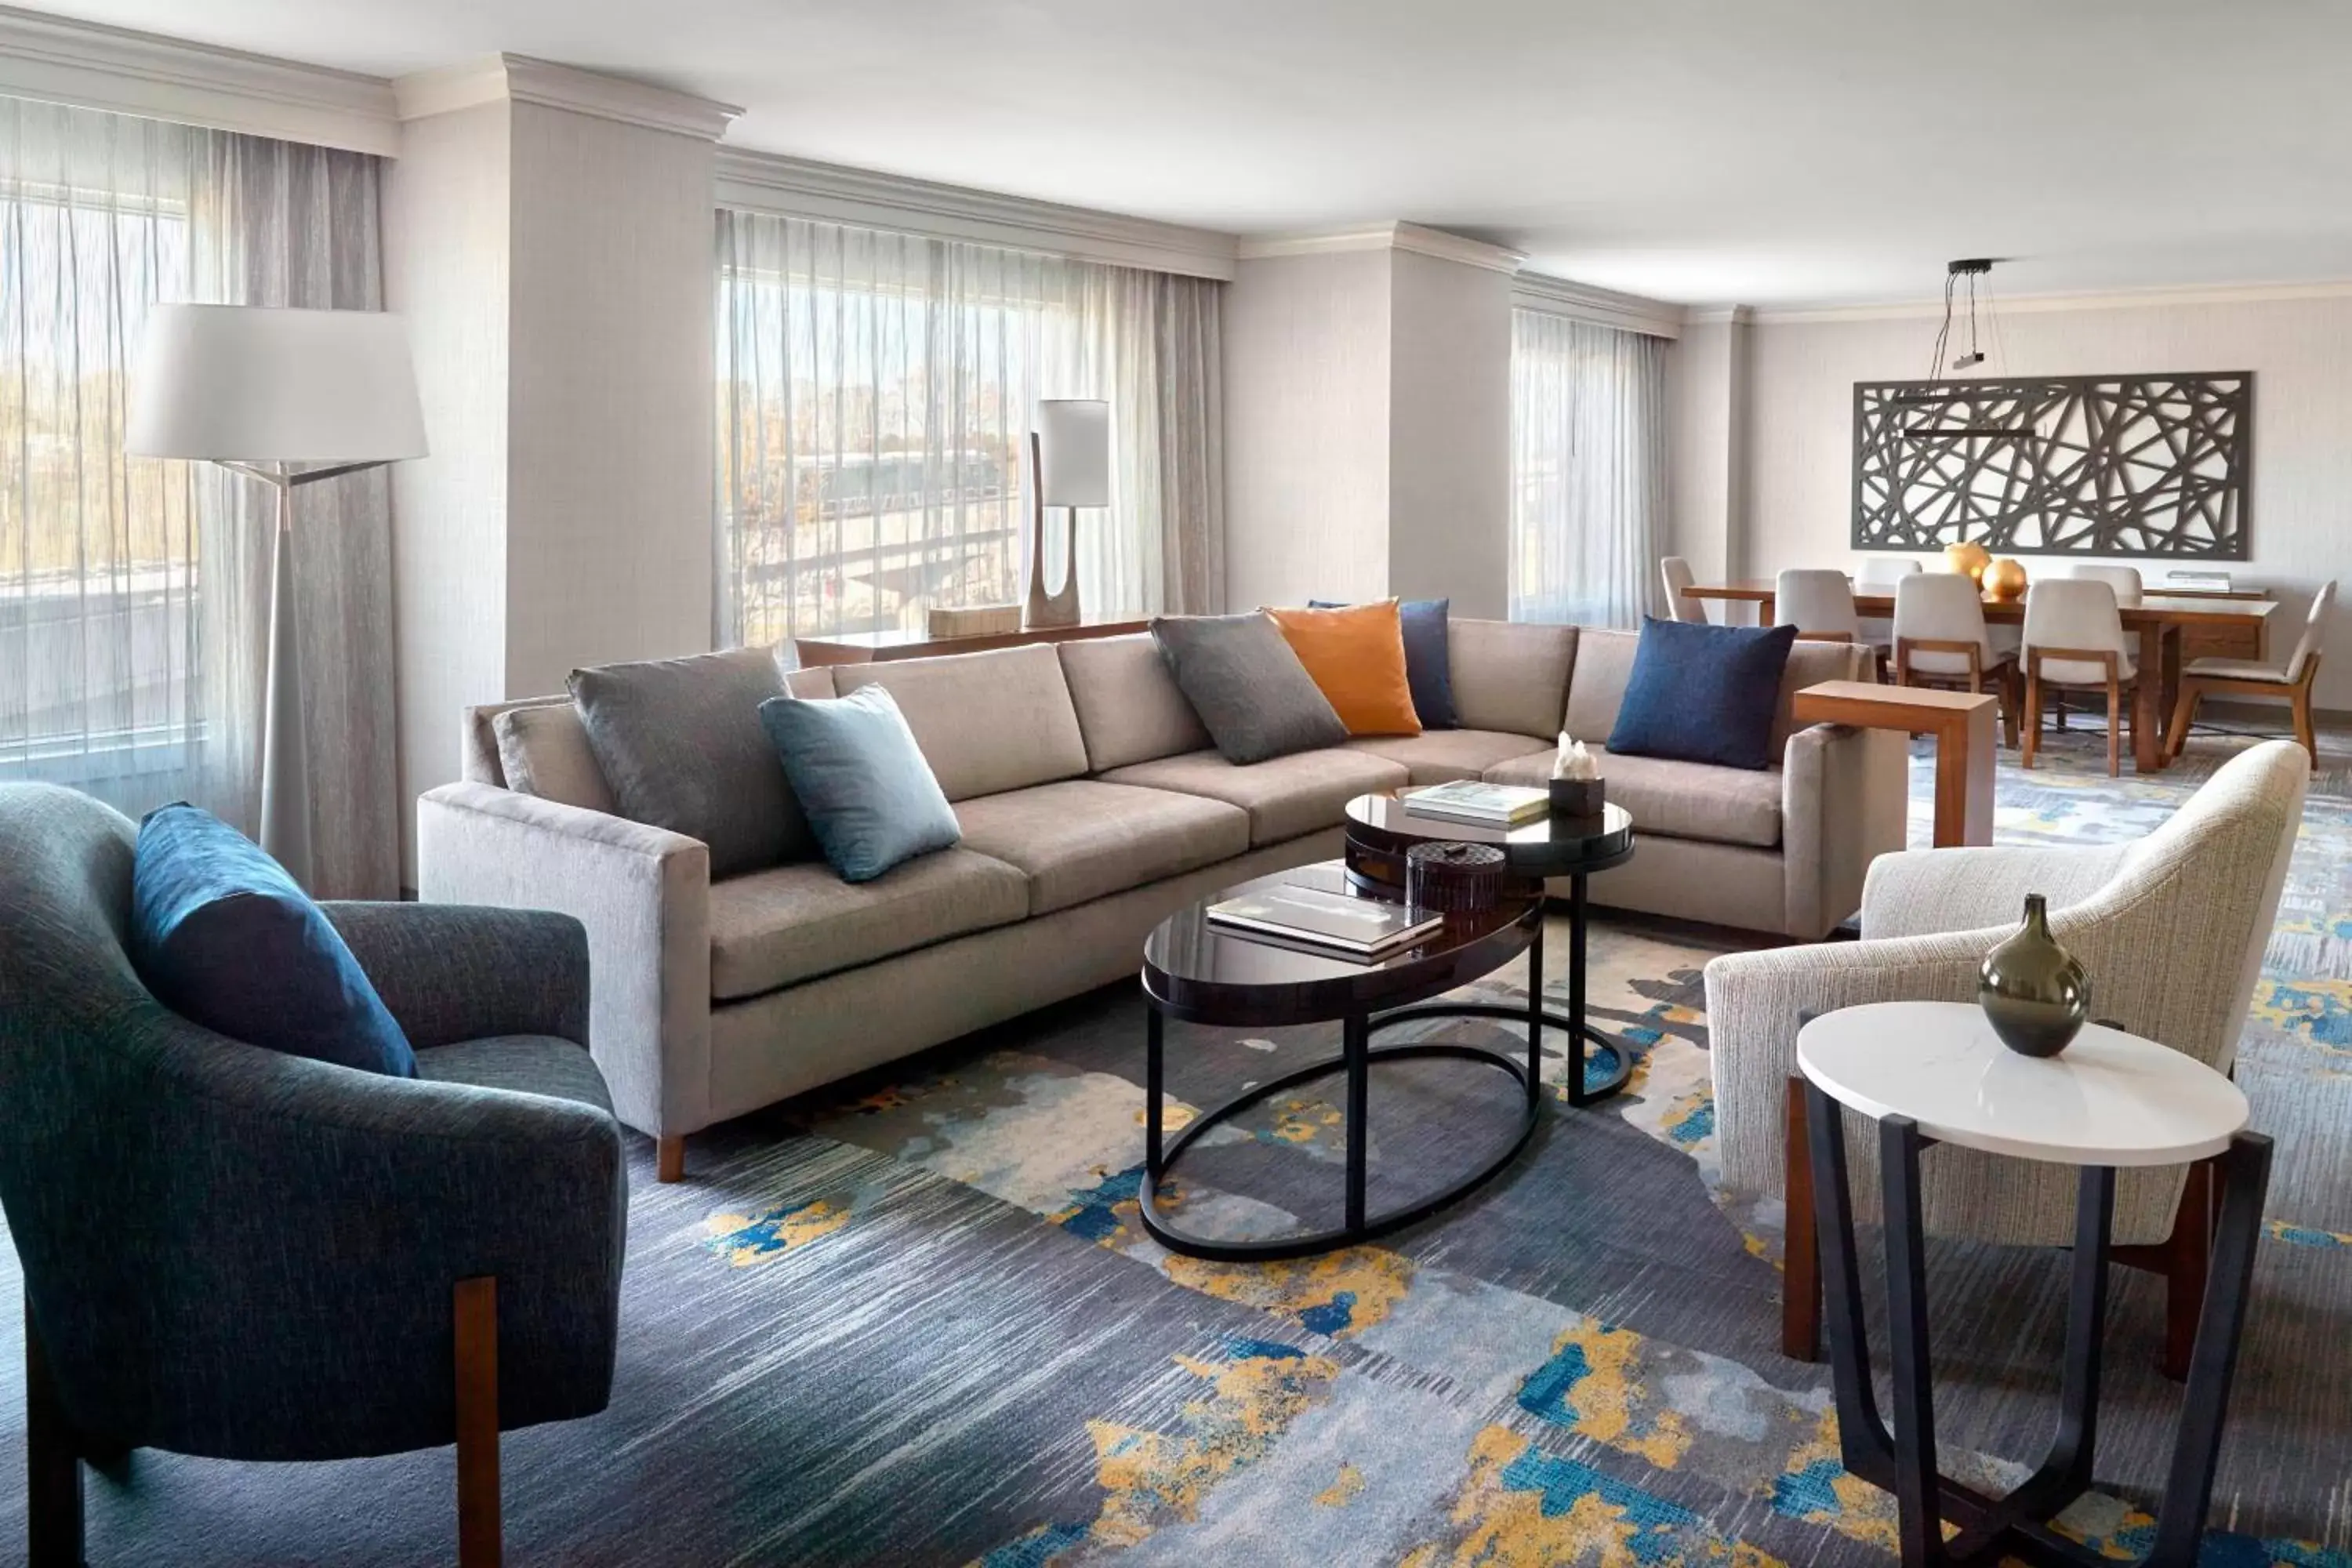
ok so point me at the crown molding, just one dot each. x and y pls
(1412, 237)
(797, 187)
(1718, 315)
(84, 65)
(519, 78)
(1604, 307)
(2034, 304)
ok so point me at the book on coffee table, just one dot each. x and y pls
(1365, 930)
(1486, 805)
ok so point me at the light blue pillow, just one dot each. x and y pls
(862, 782)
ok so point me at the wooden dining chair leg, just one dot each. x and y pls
(2184, 713)
(2304, 731)
(479, 1535)
(2115, 727)
(2032, 735)
(1800, 1253)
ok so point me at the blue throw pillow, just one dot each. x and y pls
(1428, 660)
(862, 782)
(224, 937)
(1703, 693)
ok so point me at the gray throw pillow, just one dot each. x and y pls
(1254, 697)
(681, 743)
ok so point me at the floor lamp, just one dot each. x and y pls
(1069, 459)
(289, 399)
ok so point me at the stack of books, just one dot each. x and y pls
(1485, 804)
(1339, 924)
(2213, 582)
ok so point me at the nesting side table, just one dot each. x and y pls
(1931, 1072)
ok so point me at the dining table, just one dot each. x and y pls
(2168, 628)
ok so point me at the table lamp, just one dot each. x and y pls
(1069, 453)
(290, 398)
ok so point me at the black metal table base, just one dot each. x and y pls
(1357, 1058)
(1903, 1462)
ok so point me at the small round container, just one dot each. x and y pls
(1450, 878)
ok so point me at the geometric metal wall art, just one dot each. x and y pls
(2082, 465)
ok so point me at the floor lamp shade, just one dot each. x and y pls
(1073, 439)
(248, 383)
(286, 397)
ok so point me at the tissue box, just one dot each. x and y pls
(1578, 797)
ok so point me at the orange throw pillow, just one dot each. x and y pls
(1355, 655)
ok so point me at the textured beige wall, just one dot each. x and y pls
(445, 253)
(2299, 518)
(1450, 433)
(1307, 428)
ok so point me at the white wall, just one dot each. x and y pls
(610, 423)
(1307, 428)
(446, 254)
(2299, 517)
(1450, 433)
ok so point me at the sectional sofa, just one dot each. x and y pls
(1092, 805)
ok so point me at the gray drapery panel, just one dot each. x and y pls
(873, 397)
(134, 595)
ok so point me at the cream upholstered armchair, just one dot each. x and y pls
(2171, 928)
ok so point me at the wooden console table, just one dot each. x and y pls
(867, 648)
(1962, 722)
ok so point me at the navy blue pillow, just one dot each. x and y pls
(224, 937)
(1703, 693)
(1428, 663)
(862, 782)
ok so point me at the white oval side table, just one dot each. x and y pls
(1931, 1072)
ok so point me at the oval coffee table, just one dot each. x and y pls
(1200, 973)
(1934, 1072)
(1381, 830)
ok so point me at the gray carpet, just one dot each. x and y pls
(915, 1321)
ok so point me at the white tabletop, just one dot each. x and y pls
(2109, 1098)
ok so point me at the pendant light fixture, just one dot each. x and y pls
(1938, 389)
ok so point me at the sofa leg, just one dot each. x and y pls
(2183, 1259)
(53, 1465)
(669, 1157)
(479, 1536)
(1801, 1279)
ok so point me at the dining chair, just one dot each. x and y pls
(2291, 681)
(1941, 639)
(2074, 642)
(1881, 572)
(1677, 573)
(2124, 580)
(1819, 602)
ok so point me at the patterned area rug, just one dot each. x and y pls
(917, 1322)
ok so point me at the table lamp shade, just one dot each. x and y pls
(1074, 451)
(255, 384)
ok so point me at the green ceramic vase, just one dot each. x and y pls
(2033, 990)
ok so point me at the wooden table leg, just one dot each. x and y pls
(2147, 691)
(1963, 778)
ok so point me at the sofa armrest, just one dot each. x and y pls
(644, 896)
(1845, 802)
(1926, 891)
(450, 972)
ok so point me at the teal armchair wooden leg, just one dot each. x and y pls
(479, 1536)
(53, 1465)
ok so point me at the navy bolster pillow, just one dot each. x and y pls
(224, 937)
(1702, 693)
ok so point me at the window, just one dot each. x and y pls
(874, 401)
(1588, 469)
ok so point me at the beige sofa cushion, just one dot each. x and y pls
(1285, 797)
(987, 722)
(1439, 756)
(543, 751)
(1131, 708)
(1680, 800)
(1080, 839)
(1604, 660)
(1510, 676)
(779, 927)
(816, 680)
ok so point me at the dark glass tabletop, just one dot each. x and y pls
(1547, 846)
(1208, 973)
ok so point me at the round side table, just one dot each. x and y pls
(1382, 829)
(1934, 1072)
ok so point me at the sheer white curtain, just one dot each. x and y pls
(1588, 470)
(134, 592)
(873, 407)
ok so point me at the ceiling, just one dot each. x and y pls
(1775, 153)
